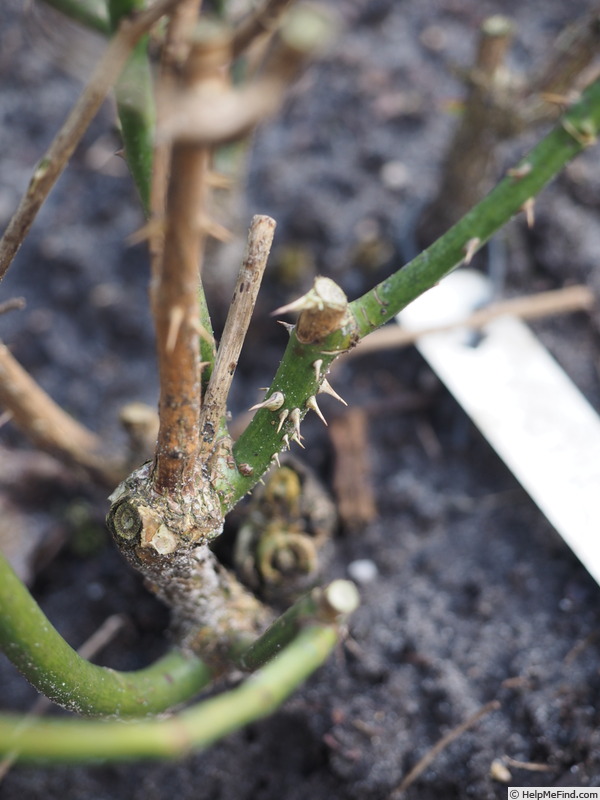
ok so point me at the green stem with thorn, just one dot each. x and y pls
(135, 104)
(298, 378)
(576, 130)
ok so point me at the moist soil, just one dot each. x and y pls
(475, 597)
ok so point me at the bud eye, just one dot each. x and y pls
(125, 521)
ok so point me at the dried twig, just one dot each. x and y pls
(13, 304)
(530, 766)
(261, 21)
(211, 119)
(441, 745)
(260, 238)
(352, 481)
(470, 160)
(60, 151)
(571, 54)
(48, 426)
(560, 301)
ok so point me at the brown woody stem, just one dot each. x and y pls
(60, 151)
(176, 289)
(262, 21)
(260, 238)
(48, 426)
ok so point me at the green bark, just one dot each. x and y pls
(90, 740)
(296, 377)
(55, 669)
(134, 93)
(576, 130)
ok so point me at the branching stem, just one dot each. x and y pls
(60, 151)
(198, 727)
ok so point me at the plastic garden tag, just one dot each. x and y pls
(523, 403)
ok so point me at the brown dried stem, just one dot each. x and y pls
(60, 151)
(176, 289)
(544, 304)
(48, 426)
(174, 54)
(213, 119)
(573, 51)
(441, 745)
(260, 22)
(469, 162)
(260, 238)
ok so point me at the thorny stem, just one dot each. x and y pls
(176, 290)
(60, 151)
(196, 728)
(575, 131)
(216, 119)
(304, 365)
(174, 54)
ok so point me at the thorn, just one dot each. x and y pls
(296, 438)
(120, 153)
(519, 172)
(312, 404)
(282, 418)
(213, 228)
(286, 440)
(306, 301)
(295, 420)
(562, 100)
(199, 328)
(470, 249)
(317, 368)
(152, 228)
(175, 319)
(273, 403)
(217, 180)
(585, 134)
(326, 389)
(528, 207)
(289, 328)
(276, 459)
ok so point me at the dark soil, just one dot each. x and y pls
(476, 597)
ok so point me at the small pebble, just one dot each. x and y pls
(363, 570)
(499, 771)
